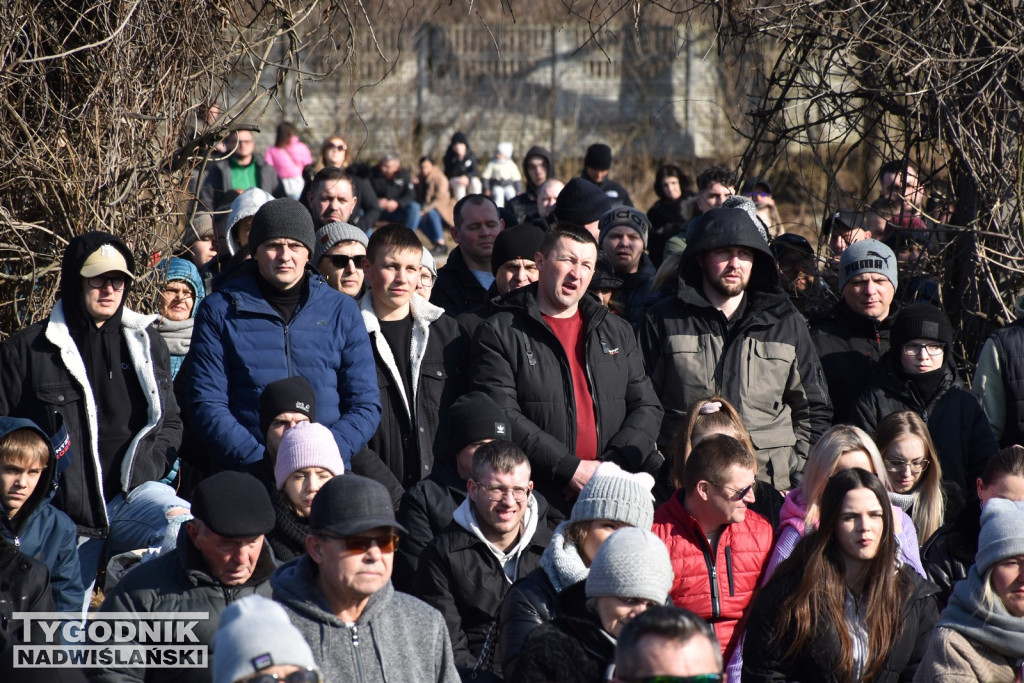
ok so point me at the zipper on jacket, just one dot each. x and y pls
(355, 652)
(716, 607)
(288, 349)
(728, 570)
(592, 387)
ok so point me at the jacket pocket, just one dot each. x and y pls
(768, 365)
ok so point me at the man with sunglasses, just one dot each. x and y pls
(339, 593)
(497, 536)
(667, 645)
(339, 255)
(718, 546)
(105, 372)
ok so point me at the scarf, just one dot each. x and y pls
(561, 561)
(993, 628)
(905, 501)
(176, 334)
(288, 539)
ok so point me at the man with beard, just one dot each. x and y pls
(731, 331)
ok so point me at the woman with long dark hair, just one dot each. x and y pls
(840, 608)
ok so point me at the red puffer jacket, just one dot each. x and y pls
(717, 588)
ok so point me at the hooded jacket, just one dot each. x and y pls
(520, 363)
(180, 581)
(426, 509)
(411, 436)
(460, 575)
(524, 205)
(241, 344)
(396, 638)
(178, 334)
(762, 360)
(955, 418)
(43, 374)
(42, 531)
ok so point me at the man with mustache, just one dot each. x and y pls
(731, 331)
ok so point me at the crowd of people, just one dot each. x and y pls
(597, 444)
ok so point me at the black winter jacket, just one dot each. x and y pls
(42, 374)
(456, 289)
(763, 361)
(405, 440)
(762, 657)
(180, 582)
(461, 578)
(955, 418)
(635, 294)
(524, 205)
(426, 509)
(572, 648)
(399, 188)
(850, 347)
(948, 555)
(520, 363)
(617, 193)
(24, 587)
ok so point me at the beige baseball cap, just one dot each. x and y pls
(106, 259)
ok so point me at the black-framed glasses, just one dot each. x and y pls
(742, 493)
(699, 678)
(341, 261)
(897, 466)
(915, 349)
(427, 280)
(496, 493)
(302, 676)
(101, 281)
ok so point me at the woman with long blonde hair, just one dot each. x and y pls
(913, 470)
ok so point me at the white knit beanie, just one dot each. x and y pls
(307, 444)
(612, 493)
(255, 633)
(632, 563)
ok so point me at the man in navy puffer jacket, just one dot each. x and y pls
(276, 317)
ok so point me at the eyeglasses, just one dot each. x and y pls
(742, 493)
(699, 678)
(100, 281)
(303, 676)
(915, 349)
(427, 280)
(496, 493)
(362, 544)
(341, 261)
(179, 293)
(334, 145)
(897, 466)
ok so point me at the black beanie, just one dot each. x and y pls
(282, 218)
(522, 241)
(599, 157)
(581, 202)
(458, 137)
(234, 505)
(920, 321)
(290, 395)
(475, 417)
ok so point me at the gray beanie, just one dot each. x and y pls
(867, 256)
(1001, 536)
(285, 219)
(615, 494)
(255, 633)
(632, 563)
(333, 233)
(627, 216)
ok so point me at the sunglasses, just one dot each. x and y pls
(304, 676)
(99, 282)
(362, 544)
(333, 145)
(341, 261)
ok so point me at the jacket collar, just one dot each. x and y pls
(198, 571)
(524, 301)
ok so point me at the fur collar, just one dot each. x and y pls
(423, 314)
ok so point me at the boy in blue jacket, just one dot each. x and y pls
(28, 481)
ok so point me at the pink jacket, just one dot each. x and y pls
(289, 161)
